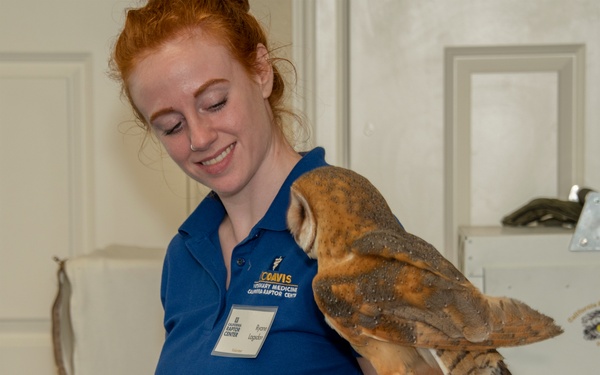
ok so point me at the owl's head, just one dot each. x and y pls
(330, 207)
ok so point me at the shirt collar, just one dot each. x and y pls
(209, 214)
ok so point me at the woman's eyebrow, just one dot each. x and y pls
(160, 112)
(208, 84)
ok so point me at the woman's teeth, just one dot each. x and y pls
(218, 158)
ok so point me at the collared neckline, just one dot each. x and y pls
(209, 214)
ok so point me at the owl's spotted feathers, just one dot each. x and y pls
(392, 295)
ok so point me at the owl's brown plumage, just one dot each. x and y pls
(392, 295)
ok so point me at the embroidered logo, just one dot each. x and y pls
(274, 283)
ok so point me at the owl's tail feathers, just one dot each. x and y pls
(488, 362)
(515, 323)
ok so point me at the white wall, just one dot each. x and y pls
(397, 117)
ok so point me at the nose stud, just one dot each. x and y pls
(192, 147)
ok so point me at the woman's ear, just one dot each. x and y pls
(264, 70)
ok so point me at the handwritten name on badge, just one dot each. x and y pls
(245, 331)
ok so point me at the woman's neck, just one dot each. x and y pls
(245, 209)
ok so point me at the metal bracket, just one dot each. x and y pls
(587, 231)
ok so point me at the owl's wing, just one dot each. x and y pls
(398, 288)
(405, 247)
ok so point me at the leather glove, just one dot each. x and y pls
(545, 212)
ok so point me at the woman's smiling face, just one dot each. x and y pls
(194, 94)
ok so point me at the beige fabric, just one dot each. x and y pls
(62, 331)
(111, 299)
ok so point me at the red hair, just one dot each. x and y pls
(159, 21)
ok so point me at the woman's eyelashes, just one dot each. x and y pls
(210, 108)
(174, 129)
(218, 106)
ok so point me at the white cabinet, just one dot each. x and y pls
(535, 266)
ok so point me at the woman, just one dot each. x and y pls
(236, 288)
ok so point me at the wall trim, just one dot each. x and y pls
(321, 29)
(568, 61)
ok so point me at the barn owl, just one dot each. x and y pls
(392, 295)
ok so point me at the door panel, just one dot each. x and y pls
(71, 181)
(41, 210)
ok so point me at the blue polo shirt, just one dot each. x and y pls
(267, 269)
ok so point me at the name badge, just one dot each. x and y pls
(245, 331)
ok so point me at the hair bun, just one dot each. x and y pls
(242, 4)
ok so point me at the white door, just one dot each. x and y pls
(70, 180)
(72, 176)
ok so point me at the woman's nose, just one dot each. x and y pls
(202, 134)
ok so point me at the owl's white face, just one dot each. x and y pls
(302, 223)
